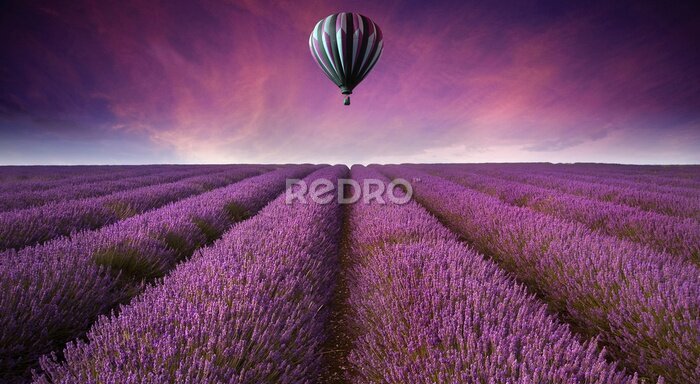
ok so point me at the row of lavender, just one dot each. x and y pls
(47, 173)
(29, 226)
(642, 304)
(665, 203)
(423, 306)
(653, 185)
(41, 178)
(21, 198)
(250, 309)
(254, 309)
(678, 176)
(53, 292)
(675, 235)
(660, 184)
(426, 308)
(620, 182)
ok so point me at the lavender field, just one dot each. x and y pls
(491, 273)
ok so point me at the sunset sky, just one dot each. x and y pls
(94, 82)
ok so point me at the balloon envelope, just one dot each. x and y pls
(346, 46)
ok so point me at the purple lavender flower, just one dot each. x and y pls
(426, 308)
(642, 304)
(55, 291)
(250, 309)
(32, 225)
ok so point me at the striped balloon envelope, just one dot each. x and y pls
(346, 46)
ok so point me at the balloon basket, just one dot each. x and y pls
(347, 100)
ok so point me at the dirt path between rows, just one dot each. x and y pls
(335, 350)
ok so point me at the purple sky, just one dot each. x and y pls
(233, 81)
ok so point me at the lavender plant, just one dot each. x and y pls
(53, 292)
(250, 309)
(21, 198)
(34, 225)
(643, 306)
(426, 308)
(664, 203)
(670, 234)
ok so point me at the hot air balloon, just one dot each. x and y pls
(346, 46)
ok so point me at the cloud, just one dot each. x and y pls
(233, 81)
(553, 145)
(562, 143)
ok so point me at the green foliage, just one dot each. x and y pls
(179, 244)
(210, 231)
(129, 262)
(121, 209)
(236, 212)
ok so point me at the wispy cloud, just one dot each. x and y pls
(233, 81)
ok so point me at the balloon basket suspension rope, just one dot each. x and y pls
(347, 100)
